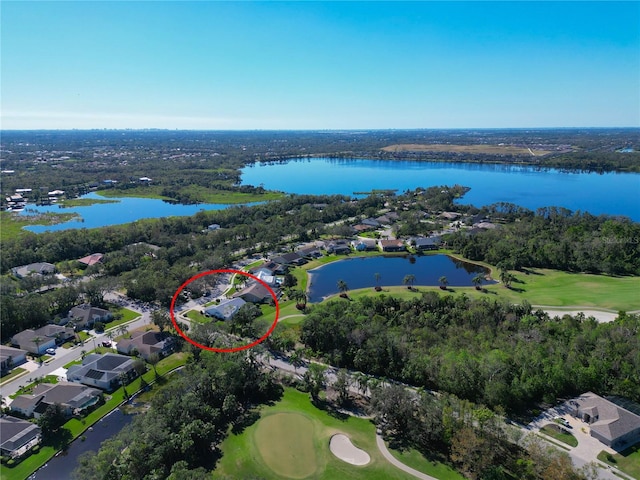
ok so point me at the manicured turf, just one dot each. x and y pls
(285, 443)
(417, 461)
(242, 457)
(16, 372)
(545, 287)
(628, 461)
(127, 316)
(555, 431)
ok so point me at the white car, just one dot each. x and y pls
(50, 351)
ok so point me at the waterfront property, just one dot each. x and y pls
(102, 371)
(72, 397)
(17, 436)
(256, 293)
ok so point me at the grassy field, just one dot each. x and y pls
(201, 194)
(417, 461)
(628, 461)
(77, 426)
(545, 287)
(555, 431)
(483, 149)
(127, 316)
(11, 224)
(16, 372)
(245, 456)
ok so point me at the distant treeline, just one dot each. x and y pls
(555, 238)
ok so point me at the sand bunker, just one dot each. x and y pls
(341, 447)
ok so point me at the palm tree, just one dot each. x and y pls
(506, 278)
(443, 282)
(477, 281)
(377, 276)
(343, 288)
(296, 359)
(153, 359)
(122, 329)
(38, 341)
(122, 376)
(409, 280)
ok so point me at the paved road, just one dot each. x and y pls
(397, 463)
(66, 355)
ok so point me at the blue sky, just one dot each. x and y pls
(317, 65)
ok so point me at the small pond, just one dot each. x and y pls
(360, 273)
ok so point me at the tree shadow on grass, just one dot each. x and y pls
(330, 409)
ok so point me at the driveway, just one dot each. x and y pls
(588, 447)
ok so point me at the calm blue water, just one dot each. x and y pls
(360, 273)
(125, 211)
(609, 193)
(60, 467)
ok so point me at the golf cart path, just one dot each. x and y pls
(397, 463)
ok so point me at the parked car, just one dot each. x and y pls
(562, 421)
(50, 351)
(106, 344)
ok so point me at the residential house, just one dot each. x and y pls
(270, 280)
(225, 310)
(364, 244)
(146, 343)
(609, 421)
(361, 227)
(84, 316)
(72, 397)
(37, 341)
(450, 215)
(17, 436)
(39, 268)
(391, 245)
(92, 259)
(291, 258)
(11, 357)
(426, 243)
(338, 247)
(388, 218)
(270, 268)
(370, 222)
(309, 251)
(255, 293)
(213, 226)
(102, 371)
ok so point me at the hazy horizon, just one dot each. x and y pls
(238, 66)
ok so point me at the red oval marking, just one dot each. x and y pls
(224, 350)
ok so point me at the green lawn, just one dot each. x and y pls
(198, 317)
(546, 287)
(29, 465)
(253, 453)
(127, 316)
(628, 461)
(84, 336)
(417, 461)
(555, 431)
(16, 372)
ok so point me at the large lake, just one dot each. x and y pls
(610, 193)
(360, 272)
(126, 210)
